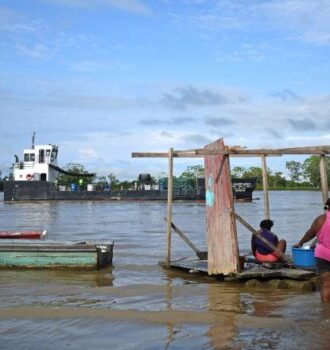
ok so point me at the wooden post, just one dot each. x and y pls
(265, 186)
(169, 207)
(324, 178)
(221, 226)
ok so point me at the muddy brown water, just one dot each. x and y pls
(136, 304)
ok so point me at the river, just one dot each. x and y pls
(136, 304)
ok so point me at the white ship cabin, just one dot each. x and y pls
(35, 166)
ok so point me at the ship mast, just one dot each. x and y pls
(33, 137)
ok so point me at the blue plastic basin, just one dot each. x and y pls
(303, 257)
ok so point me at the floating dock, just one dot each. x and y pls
(260, 272)
(223, 259)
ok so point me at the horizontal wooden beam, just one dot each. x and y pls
(238, 152)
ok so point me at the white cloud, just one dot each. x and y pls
(134, 6)
(299, 19)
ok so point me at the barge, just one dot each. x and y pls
(34, 178)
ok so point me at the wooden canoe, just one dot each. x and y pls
(56, 255)
(22, 234)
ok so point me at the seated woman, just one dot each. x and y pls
(263, 252)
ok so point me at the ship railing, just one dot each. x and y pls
(23, 165)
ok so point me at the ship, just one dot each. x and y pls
(35, 178)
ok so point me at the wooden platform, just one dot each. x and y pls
(194, 265)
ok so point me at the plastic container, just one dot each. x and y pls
(74, 187)
(90, 187)
(303, 257)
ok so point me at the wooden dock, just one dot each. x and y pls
(194, 265)
(223, 259)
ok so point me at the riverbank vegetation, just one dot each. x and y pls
(300, 176)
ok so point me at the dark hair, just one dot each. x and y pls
(267, 224)
(327, 205)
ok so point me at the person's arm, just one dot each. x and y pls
(312, 231)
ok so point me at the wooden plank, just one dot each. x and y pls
(321, 150)
(176, 154)
(256, 152)
(202, 255)
(221, 226)
(324, 178)
(193, 265)
(169, 207)
(265, 187)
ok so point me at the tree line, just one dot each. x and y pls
(301, 175)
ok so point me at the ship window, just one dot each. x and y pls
(54, 154)
(47, 152)
(32, 157)
(43, 177)
(26, 157)
(41, 156)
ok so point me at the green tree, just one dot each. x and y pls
(113, 181)
(255, 172)
(277, 180)
(189, 178)
(74, 168)
(311, 170)
(194, 171)
(295, 170)
(112, 178)
(238, 171)
(100, 182)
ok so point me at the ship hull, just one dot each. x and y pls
(43, 190)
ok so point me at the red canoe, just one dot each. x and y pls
(22, 234)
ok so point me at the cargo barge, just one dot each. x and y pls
(34, 178)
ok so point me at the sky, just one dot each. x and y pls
(105, 78)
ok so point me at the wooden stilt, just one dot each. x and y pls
(265, 186)
(169, 207)
(201, 255)
(324, 178)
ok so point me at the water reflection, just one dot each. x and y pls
(221, 299)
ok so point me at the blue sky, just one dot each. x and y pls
(104, 78)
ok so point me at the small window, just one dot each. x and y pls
(32, 157)
(41, 156)
(47, 152)
(26, 157)
(54, 154)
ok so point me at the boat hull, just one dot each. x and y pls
(22, 234)
(43, 190)
(56, 255)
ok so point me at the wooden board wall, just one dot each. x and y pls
(221, 226)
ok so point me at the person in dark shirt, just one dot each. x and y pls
(260, 250)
